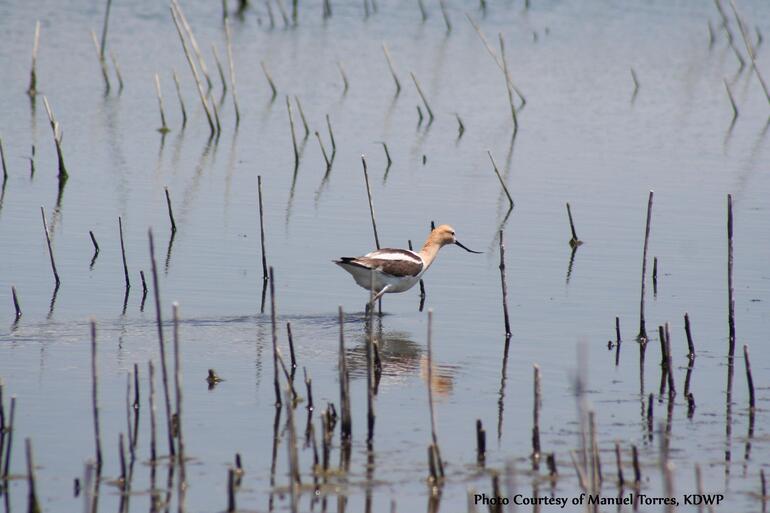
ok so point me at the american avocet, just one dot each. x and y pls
(398, 270)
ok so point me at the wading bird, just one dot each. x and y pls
(397, 270)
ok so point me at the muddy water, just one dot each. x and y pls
(584, 137)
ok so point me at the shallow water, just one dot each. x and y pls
(584, 137)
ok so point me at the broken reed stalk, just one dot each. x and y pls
(194, 70)
(57, 139)
(763, 488)
(170, 212)
(422, 96)
(231, 508)
(669, 364)
(688, 332)
(153, 428)
(32, 89)
(118, 74)
(181, 100)
(16, 307)
(323, 151)
(619, 462)
(123, 253)
(269, 79)
(505, 289)
(574, 241)
(291, 350)
(436, 451)
(496, 59)
(302, 116)
(293, 135)
(642, 331)
(265, 276)
(193, 42)
(636, 81)
(371, 206)
(732, 100)
(163, 126)
(178, 387)
(637, 470)
(730, 291)
(103, 44)
(370, 417)
(162, 344)
(460, 126)
(387, 153)
(231, 63)
(536, 419)
(346, 422)
(9, 429)
(331, 137)
(274, 332)
(750, 51)
(345, 83)
(392, 68)
(50, 249)
(95, 398)
(502, 182)
(508, 87)
(445, 14)
(749, 378)
(582, 480)
(2, 161)
(33, 506)
(220, 69)
(102, 61)
(481, 443)
(291, 449)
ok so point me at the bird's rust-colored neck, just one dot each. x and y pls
(430, 248)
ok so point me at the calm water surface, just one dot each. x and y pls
(584, 137)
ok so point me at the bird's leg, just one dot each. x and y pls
(378, 295)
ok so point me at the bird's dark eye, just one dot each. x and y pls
(453, 234)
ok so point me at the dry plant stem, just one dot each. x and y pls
(32, 89)
(194, 70)
(507, 76)
(392, 68)
(750, 51)
(481, 443)
(536, 419)
(291, 449)
(669, 364)
(422, 96)
(33, 506)
(170, 212)
(95, 398)
(193, 42)
(763, 488)
(688, 332)
(636, 81)
(123, 253)
(387, 153)
(370, 416)
(460, 126)
(153, 424)
(502, 182)
(50, 249)
(331, 136)
(371, 206)
(730, 97)
(118, 74)
(274, 332)
(9, 445)
(293, 135)
(17, 308)
(642, 330)
(231, 63)
(265, 276)
(504, 288)
(323, 151)
(102, 62)
(163, 126)
(220, 69)
(496, 59)
(2, 161)
(269, 78)
(579, 471)
(181, 100)
(346, 422)
(345, 83)
(637, 470)
(57, 139)
(104, 29)
(292, 355)
(574, 241)
(434, 437)
(749, 378)
(178, 387)
(231, 507)
(302, 116)
(162, 345)
(619, 462)
(730, 293)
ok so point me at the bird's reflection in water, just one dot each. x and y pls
(402, 358)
